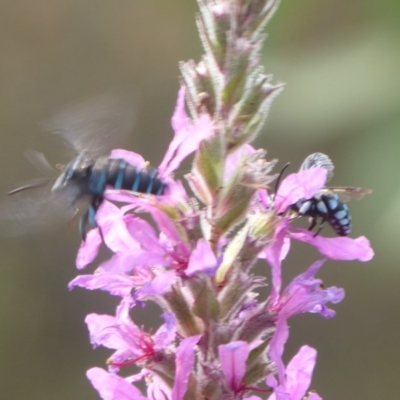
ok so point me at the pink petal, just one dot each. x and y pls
(88, 249)
(272, 383)
(184, 366)
(180, 124)
(337, 248)
(105, 331)
(134, 159)
(233, 357)
(166, 334)
(112, 387)
(123, 196)
(180, 120)
(234, 159)
(175, 192)
(117, 284)
(302, 185)
(275, 254)
(279, 394)
(202, 259)
(128, 262)
(122, 313)
(159, 285)
(305, 294)
(165, 225)
(277, 346)
(142, 232)
(299, 372)
(113, 227)
(187, 137)
(200, 130)
(157, 389)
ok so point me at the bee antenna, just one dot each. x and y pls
(278, 180)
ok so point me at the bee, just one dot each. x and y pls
(92, 128)
(328, 203)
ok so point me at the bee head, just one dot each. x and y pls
(76, 171)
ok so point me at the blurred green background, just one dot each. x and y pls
(341, 63)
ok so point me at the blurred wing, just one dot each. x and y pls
(318, 160)
(348, 193)
(39, 161)
(29, 211)
(96, 125)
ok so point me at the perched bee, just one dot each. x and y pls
(92, 128)
(328, 203)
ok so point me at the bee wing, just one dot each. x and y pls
(318, 160)
(29, 211)
(96, 125)
(39, 161)
(348, 193)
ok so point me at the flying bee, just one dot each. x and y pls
(92, 129)
(328, 203)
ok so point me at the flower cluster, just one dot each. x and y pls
(195, 257)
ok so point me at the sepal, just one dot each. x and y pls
(208, 165)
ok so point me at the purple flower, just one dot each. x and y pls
(296, 379)
(89, 248)
(143, 260)
(304, 294)
(134, 241)
(202, 259)
(138, 252)
(157, 286)
(111, 222)
(109, 384)
(171, 262)
(131, 343)
(233, 357)
(113, 387)
(116, 283)
(188, 135)
(185, 357)
(275, 254)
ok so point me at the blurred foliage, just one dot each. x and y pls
(340, 61)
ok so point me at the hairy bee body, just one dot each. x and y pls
(93, 176)
(120, 175)
(90, 178)
(328, 207)
(92, 129)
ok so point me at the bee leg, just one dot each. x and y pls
(321, 225)
(313, 223)
(92, 216)
(89, 218)
(94, 206)
(82, 224)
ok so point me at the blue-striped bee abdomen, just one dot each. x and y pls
(121, 175)
(329, 207)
